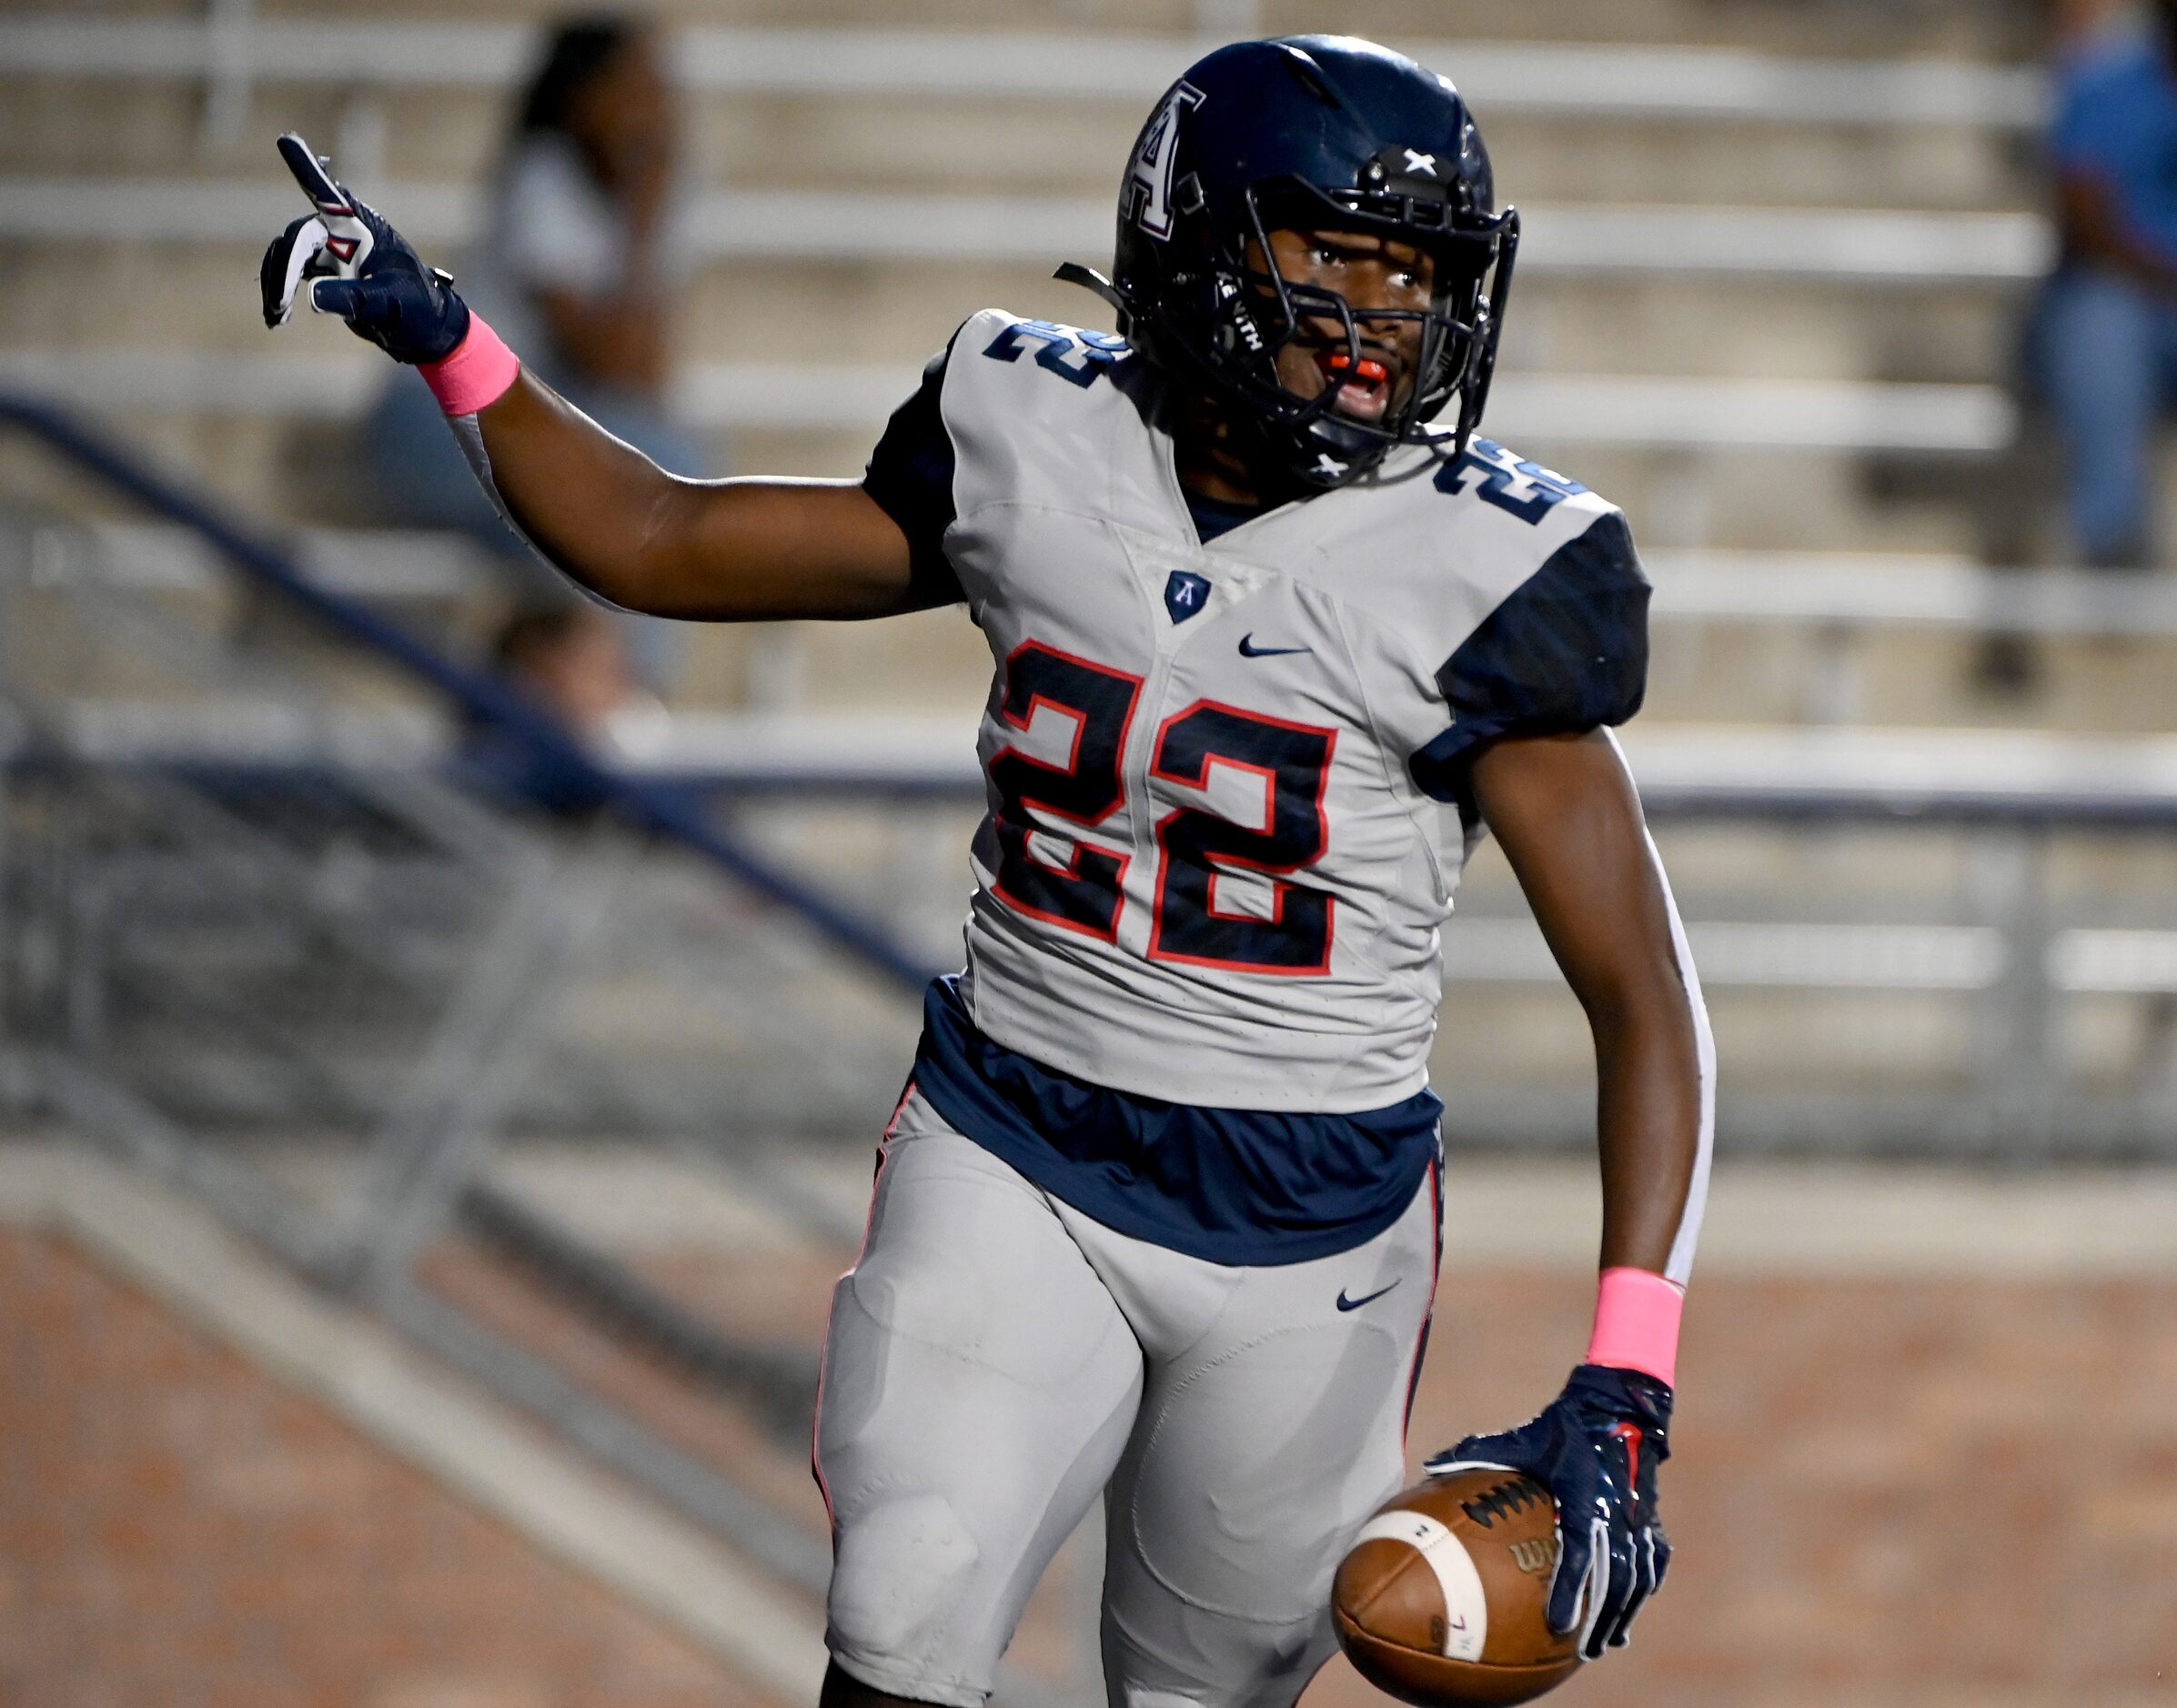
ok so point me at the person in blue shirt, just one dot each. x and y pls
(2106, 341)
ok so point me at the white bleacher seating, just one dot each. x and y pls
(1828, 590)
(1541, 77)
(1854, 590)
(2024, 775)
(2018, 775)
(1837, 411)
(1830, 245)
(1638, 411)
(2021, 773)
(352, 563)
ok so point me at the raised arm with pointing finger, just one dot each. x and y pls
(598, 509)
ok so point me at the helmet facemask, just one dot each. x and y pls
(1446, 350)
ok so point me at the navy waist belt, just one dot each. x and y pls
(1238, 1186)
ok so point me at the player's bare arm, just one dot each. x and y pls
(719, 551)
(603, 513)
(1564, 809)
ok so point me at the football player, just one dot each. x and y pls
(1158, 1213)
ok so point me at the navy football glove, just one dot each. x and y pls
(355, 265)
(1596, 1448)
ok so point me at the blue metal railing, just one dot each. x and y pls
(674, 813)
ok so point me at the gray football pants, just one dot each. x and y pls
(996, 1358)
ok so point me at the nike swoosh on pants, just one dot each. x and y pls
(1354, 1304)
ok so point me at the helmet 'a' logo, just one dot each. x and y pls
(1146, 196)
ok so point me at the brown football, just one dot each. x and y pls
(1440, 1599)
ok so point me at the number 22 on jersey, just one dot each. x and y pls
(1195, 844)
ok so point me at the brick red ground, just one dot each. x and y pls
(178, 1531)
(1887, 1494)
(1884, 1494)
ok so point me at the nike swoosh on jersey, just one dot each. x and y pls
(1354, 1304)
(1248, 649)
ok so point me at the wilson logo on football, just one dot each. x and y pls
(1534, 1557)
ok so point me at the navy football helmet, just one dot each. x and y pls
(1311, 132)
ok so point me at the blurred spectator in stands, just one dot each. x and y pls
(567, 659)
(577, 270)
(2105, 333)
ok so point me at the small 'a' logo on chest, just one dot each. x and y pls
(1187, 594)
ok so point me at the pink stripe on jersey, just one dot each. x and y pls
(476, 375)
(1636, 1323)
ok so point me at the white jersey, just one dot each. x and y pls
(1215, 865)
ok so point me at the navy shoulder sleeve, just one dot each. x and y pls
(910, 474)
(1567, 650)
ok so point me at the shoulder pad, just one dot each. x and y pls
(1565, 651)
(1073, 353)
(1486, 473)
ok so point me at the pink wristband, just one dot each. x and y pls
(1636, 1317)
(476, 375)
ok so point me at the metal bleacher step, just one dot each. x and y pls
(372, 564)
(1829, 590)
(1783, 326)
(1537, 410)
(1868, 247)
(1996, 775)
(1826, 636)
(1551, 72)
(1044, 107)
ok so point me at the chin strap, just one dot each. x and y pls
(1088, 279)
(1319, 457)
